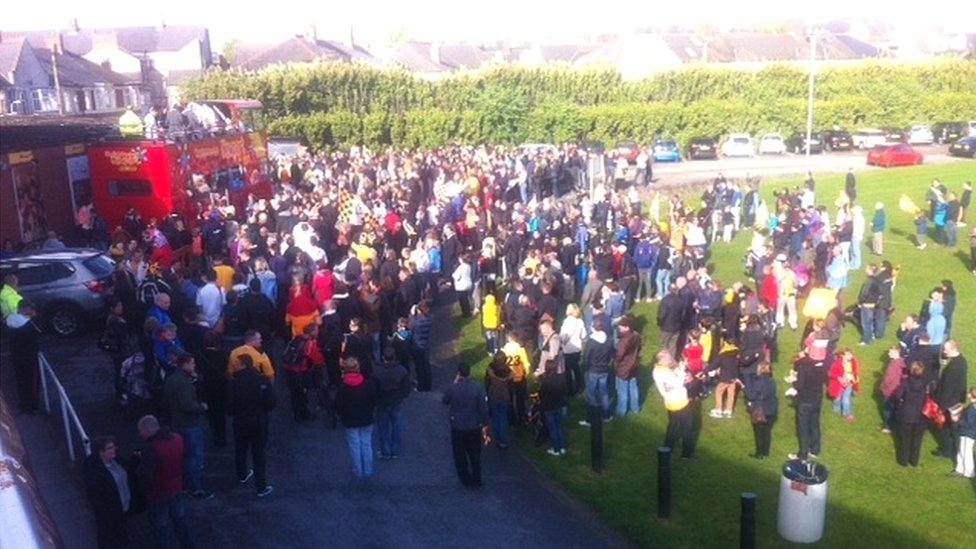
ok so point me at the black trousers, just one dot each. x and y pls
(763, 433)
(808, 428)
(948, 441)
(574, 377)
(298, 388)
(421, 364)
(251, 437)
(520, 398)
(464, 300)
(217, 415)
(681, 426)
(910, 442)
(467, 456)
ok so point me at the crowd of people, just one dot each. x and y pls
(333, 283)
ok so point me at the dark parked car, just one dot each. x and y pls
(703, 148)
(895, 135)
(797, 143)
(593, 147)
(837, 140)
(948, 132)
(67, 286)
(965, 147)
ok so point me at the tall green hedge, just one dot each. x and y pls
(340, 104)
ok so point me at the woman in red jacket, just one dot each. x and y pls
(301, 310)
(845, 382)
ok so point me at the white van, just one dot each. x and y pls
(867, 138)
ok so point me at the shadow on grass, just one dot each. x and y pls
(965, 259)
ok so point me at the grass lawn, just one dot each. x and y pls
(872, 501)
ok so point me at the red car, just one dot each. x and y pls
(900, 154)
(628, 149)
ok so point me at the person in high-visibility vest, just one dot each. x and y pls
(130, 125)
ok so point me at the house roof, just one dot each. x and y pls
(416, 56)
(74, 70)
(464, 56)
(130, 39)
(10, 51)
(566, 53)
(858, 48)
(298, 49)
(754, 46)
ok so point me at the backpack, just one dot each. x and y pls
(294, 355)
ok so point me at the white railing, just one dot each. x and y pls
(69, 418)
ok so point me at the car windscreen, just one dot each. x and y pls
(741, 140)
(99, 265)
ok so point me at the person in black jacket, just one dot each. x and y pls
(909, 419)
(112, 491)
(23, 344)
(552, 402)
(950, 391)
(761, 395)
(212, 365)
(598, 353)
(810, 377)
(115, 341)
(393, 386)
(355, 403)
(868, 299)
(256, 311)
(250, 396)
(469, 415)
(670, 317)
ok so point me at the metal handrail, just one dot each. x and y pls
(69, 418)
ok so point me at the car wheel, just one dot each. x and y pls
(65, 320)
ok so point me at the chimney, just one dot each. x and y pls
(107, 65)
(311, 33)
(74, 25)
(352, 39)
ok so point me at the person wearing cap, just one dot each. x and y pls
(626, 361)
(878, 223)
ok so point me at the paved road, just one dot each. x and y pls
(679, 173)
(415, 501)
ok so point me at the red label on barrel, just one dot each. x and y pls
(798, 486)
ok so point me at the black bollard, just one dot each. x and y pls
(747, 528)
(664, 482)
(596, 439)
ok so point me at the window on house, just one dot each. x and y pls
(44, 100)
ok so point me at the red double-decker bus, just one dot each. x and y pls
(182, 172)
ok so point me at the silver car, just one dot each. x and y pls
(68, 286)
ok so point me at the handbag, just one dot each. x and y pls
(757, 415)
(932, 411)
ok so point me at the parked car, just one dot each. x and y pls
(899, 154)
(895, 135)
(703, 148)
(285, 146)
(868, 138)
(538, 148)
(920, 135)
(772, 143)
(593, 147)
(627, 149)
(965, 146)
(948, 132)
(971, 127)
(738, 144)
(797, 143)
(837, 140)
(666, 150)
(67, 286)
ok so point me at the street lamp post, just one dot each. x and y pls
(813, 57)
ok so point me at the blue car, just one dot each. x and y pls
(666, 151)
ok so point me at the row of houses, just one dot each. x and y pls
(105, 69)
(98, 70)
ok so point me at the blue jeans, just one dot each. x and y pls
(161, 513)
(553, 420)
(499, 421)
(193, 458)
(950, 230)
(491, 341)
(360, 440)
(662, 280)
(880, 320)
(867, 324)
(598, 392)
(843, 401)
(377, 359)
(627, 397)
(389, 426)
(855, 254)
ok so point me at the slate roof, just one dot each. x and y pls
(74, 70)
(130, 39)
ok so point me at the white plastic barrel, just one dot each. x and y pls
(802, 502)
